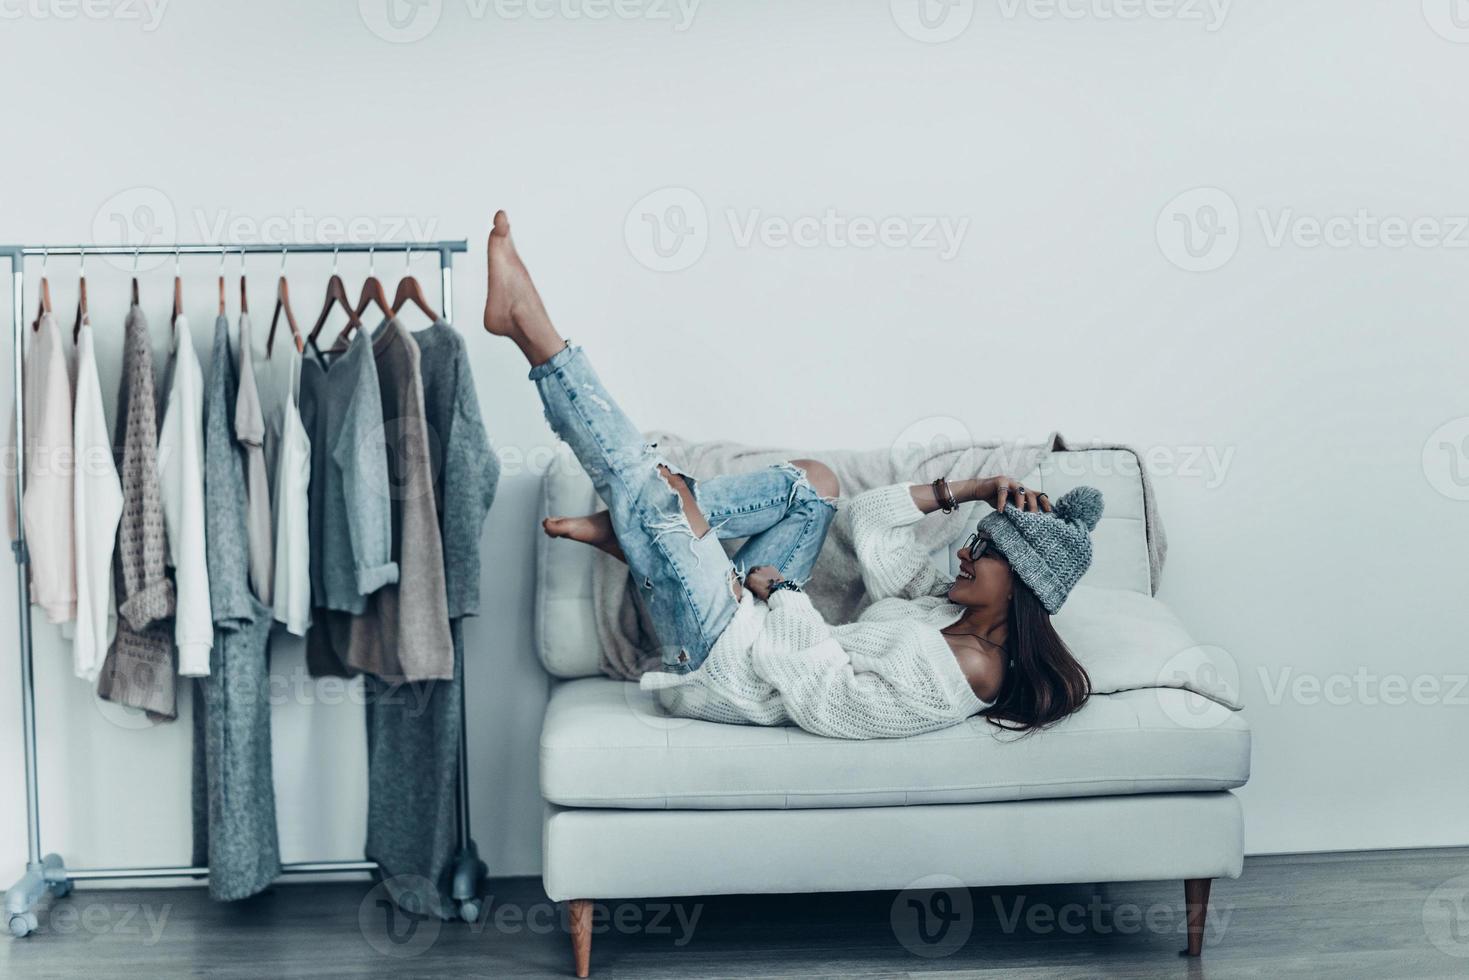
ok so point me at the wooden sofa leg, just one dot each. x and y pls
(581, 935)
(1196, 906)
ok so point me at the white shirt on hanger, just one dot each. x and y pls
(97, 493)
(181, 482)
(292, 484)
(49, 473)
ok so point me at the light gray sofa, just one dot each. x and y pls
(641, 804)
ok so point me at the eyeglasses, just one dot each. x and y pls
(978, 546)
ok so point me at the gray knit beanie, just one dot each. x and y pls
(1050, 552)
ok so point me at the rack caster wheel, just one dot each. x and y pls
(469, 910)
(22, 924)
(60, 889)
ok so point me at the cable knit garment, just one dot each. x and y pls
(891, 674)
(139, 669)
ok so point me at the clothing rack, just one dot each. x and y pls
(49, 873)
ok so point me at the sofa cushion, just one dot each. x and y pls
(606, 743)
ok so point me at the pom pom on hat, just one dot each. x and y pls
(1082, 505)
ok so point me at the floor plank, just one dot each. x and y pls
(1370, 915)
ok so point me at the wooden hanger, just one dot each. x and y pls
(409, 291)
(244, 298)
(283, 302)
(372, 293)
(221, 282)
(178, 294)
(76, 328)
(44, 305)
(336, 295)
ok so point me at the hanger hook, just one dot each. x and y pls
(222, 254)
(175, 261)
(408, 257)
(283, 261)
(45, 257)
(371, 259)
(242, 261)
(135, 261)
(336, 251)
(82, 262)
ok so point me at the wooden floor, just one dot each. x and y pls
(1375, 915)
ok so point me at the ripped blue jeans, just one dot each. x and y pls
(687, 582)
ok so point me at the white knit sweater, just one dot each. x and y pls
(891, 674)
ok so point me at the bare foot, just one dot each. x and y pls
(513, 308)
(594, 529)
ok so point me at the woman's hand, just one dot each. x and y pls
(1000, 490)
(995, 490)
(760, 579)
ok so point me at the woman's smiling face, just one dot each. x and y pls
(985, 578)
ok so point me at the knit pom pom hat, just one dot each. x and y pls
(1050, 552)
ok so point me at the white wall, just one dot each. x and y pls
(1324, 546)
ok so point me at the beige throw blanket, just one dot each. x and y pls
(623, 629)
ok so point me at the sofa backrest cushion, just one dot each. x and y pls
(566, 635)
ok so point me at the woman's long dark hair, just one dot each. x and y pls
(1043, 682)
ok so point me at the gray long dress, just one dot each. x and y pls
(234, 793)
(413, 729)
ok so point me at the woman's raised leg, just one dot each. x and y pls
(687, 581)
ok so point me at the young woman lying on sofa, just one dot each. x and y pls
(747, 646)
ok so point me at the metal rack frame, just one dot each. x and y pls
(49, 873)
